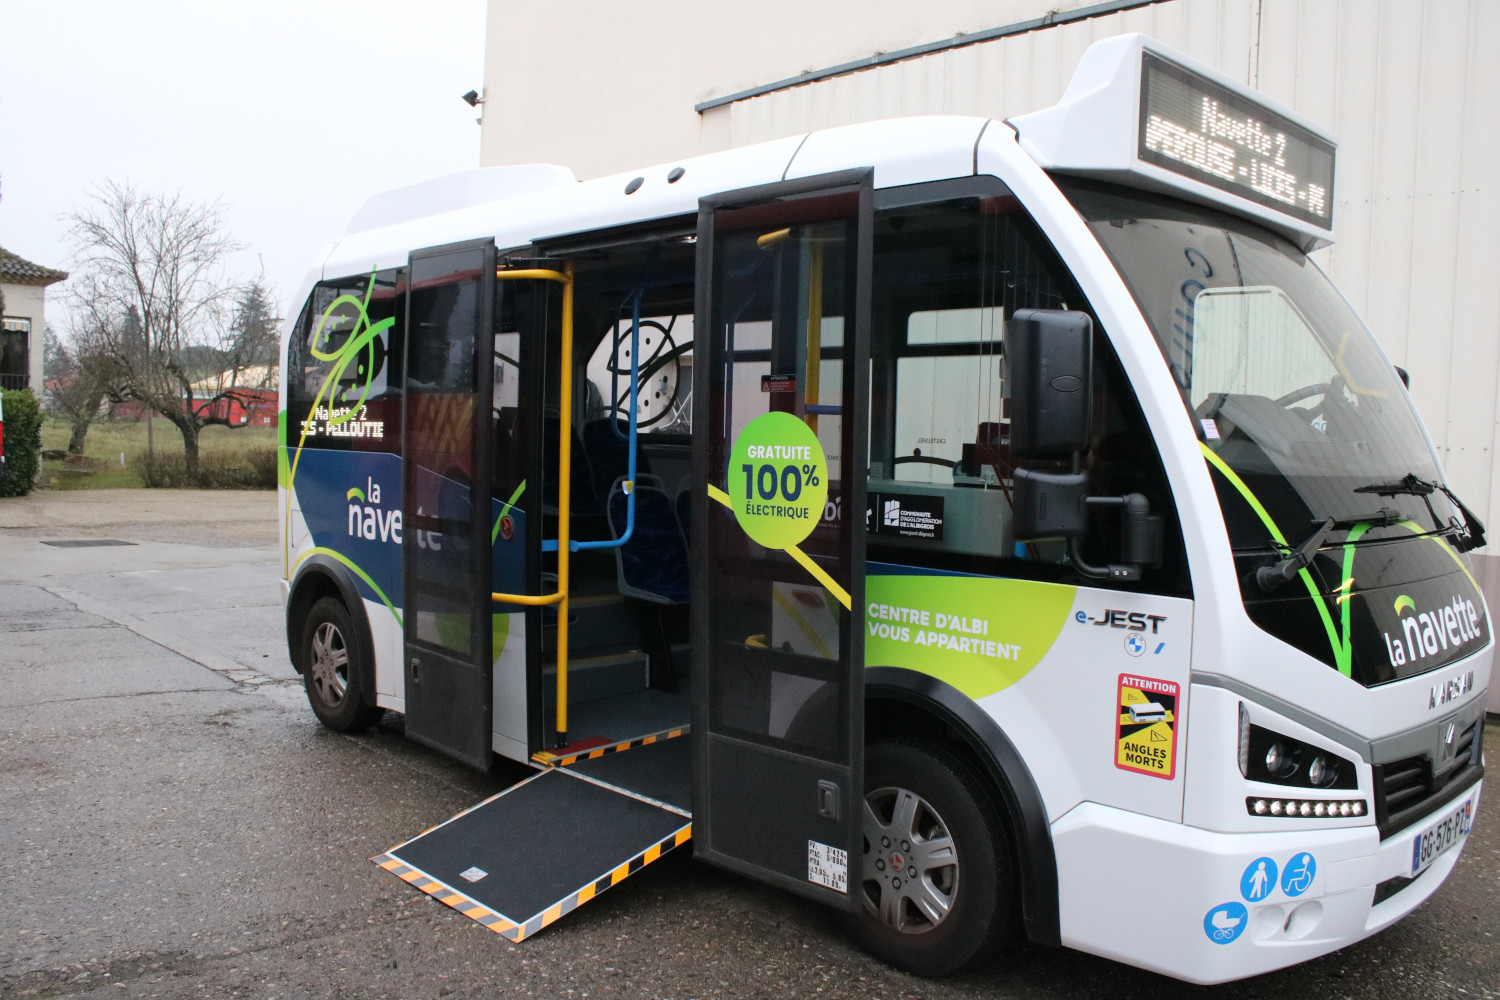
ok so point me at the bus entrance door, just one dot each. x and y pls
(781, 400)
(445, 498)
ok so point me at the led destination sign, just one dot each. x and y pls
(1194, 127)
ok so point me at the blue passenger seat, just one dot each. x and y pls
(653, 564)
(609, 455)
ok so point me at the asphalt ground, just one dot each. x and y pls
(175, 823)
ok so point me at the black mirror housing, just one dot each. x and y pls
(1140, 532)
(1049, 367)
(1049, 505)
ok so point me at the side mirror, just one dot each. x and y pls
(1049, 505)
(1049, 367)
(1403, 375)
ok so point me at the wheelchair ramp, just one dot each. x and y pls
(522, 859)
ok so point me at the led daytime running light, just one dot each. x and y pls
(1260, 805)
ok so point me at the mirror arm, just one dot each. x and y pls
(1131, 505)
(1114, 571)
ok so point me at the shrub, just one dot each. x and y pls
(255, 469)
(164, 470)
(23, 442)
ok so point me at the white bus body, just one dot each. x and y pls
(1291, 793)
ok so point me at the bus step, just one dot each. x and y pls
(597, 623)
(591, 678)
(495, 863)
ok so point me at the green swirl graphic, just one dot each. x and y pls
(362, 338)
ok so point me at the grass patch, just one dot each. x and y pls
(229, 457)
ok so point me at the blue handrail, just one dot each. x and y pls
(550, 545)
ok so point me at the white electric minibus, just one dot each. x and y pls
(947, 519)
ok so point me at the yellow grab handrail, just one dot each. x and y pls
(530, 600)
(564, 487)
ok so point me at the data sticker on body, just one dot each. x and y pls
(1147, 726)
(828, 866)
(778, 480)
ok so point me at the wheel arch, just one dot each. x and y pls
(321, 577)
(952, 718)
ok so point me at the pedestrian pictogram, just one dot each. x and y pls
(1259, 880)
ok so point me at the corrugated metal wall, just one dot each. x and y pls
(1411, 87)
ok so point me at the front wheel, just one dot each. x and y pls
(332, 667)
(937, 877)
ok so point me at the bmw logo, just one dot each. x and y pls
(1135, 644)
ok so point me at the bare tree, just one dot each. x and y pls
(76, 389)
(158, 259)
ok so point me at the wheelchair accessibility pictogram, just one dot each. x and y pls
(1297, 878)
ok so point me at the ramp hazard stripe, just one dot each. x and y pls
(444, 894)
(549, 758)
(500, 924)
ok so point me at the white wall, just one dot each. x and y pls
(599, 86)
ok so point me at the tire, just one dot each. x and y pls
(928, 812)
(333, 668)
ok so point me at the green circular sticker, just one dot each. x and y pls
(778, 480)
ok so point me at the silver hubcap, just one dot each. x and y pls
(910, 866)
(330, 664)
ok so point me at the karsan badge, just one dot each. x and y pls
(1146, 733)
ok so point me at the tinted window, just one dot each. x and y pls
(344, 365)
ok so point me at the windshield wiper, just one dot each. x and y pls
(1409, 485)
(1470, 533)
(1299, 558)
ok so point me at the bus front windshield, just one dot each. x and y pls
(1293, 402)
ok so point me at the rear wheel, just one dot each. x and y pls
(937, 876)
(333, 668)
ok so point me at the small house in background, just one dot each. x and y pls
(24, 288)
(248, 395)
(241, 396)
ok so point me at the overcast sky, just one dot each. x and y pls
(289, 112)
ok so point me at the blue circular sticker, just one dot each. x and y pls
(1299, 873)
(1259, 880)
(1225, 922)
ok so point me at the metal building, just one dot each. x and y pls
(1411, 88)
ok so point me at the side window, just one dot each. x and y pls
(947, 277)
(664, 374)
(344, 365)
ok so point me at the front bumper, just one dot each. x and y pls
(1156, 894)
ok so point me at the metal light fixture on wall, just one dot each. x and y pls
(474, 100)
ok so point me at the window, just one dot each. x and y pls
(344, 365)
(15, 352)
(947, 276)
(664, 377)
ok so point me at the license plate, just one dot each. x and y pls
(1438, 838)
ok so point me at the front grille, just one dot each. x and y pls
(1409, 789)
(1385, 890)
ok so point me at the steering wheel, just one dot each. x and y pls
(1306, 392)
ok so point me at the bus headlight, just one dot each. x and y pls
(1269, 756)
(1322, 772)
(1281, 763)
